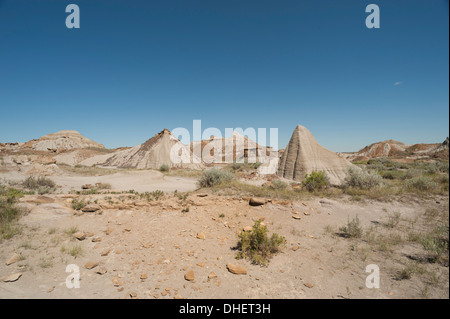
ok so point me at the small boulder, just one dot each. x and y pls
(189, 276)
(13, 259)
(91, 265)
(80, 236)
(12, 278)
(91, 208)
(257, 201)
(237, 270)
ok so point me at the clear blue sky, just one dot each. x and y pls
(136, 67)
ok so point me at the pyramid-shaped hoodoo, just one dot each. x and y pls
(304, 155)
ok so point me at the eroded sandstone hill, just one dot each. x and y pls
(304, 155)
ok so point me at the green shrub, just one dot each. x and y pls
(392, 174)
(411, 173)
(157, 194)
(164, 168)
(353, 229)
(316, 181)
(421, 183)
(362, 179)
(78, 204)
(36, 183)
(236, 167)
(212, 177)
(278, 184)
(257, 246)
(9, 213)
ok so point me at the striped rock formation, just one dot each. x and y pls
(304, 155)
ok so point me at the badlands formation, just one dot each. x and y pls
(303, 155)
(138, 231)
(62, 141)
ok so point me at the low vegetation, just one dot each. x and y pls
(78, 204)
(257, 246)
(9, 213)
(213, 177)
(423, 237)
(353, 229)
(316, 181)
(41, 184)
(164, 168)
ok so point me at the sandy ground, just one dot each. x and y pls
(140, 181)
(147, 247)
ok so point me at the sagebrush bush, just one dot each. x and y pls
(257, 246)
(278, 184)
(78, 204)
(212, 177)
(164, 168)
(353, 229)
(9, 212)
(36, 183)
(316, 181)
(421, 183)
(244, 166)
(362, 179)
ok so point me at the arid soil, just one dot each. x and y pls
(149, 247)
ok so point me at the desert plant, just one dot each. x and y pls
(317, 180)
(36, 183)
(421, 183)
(353, 229)
(78, 204)
(393, 220)
(278, 184)
(362, 179)
(9, 213)
(213, 177)
(257, 246)
(164, 168)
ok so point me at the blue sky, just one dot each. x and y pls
(136, 67)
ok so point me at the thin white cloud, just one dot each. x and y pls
(398, 83)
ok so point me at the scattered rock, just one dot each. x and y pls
(101, 271)
(296, 217)
(257, 202)
(307, 213)
(109, 231)
(86, 186)
(13, 259)
(116, 281)
(80, 236)
(143, 277)
(189, 276)
(133, 295)
(202, 195)
(12, 278)
(212, 275)
(91, 208)
(201, 236)
(309, 285)
(96, 239)
(91, 265)
(105, 252)
(201, 264)
(237, 270)
(177, 296)
(247, 228)
(295, 248)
